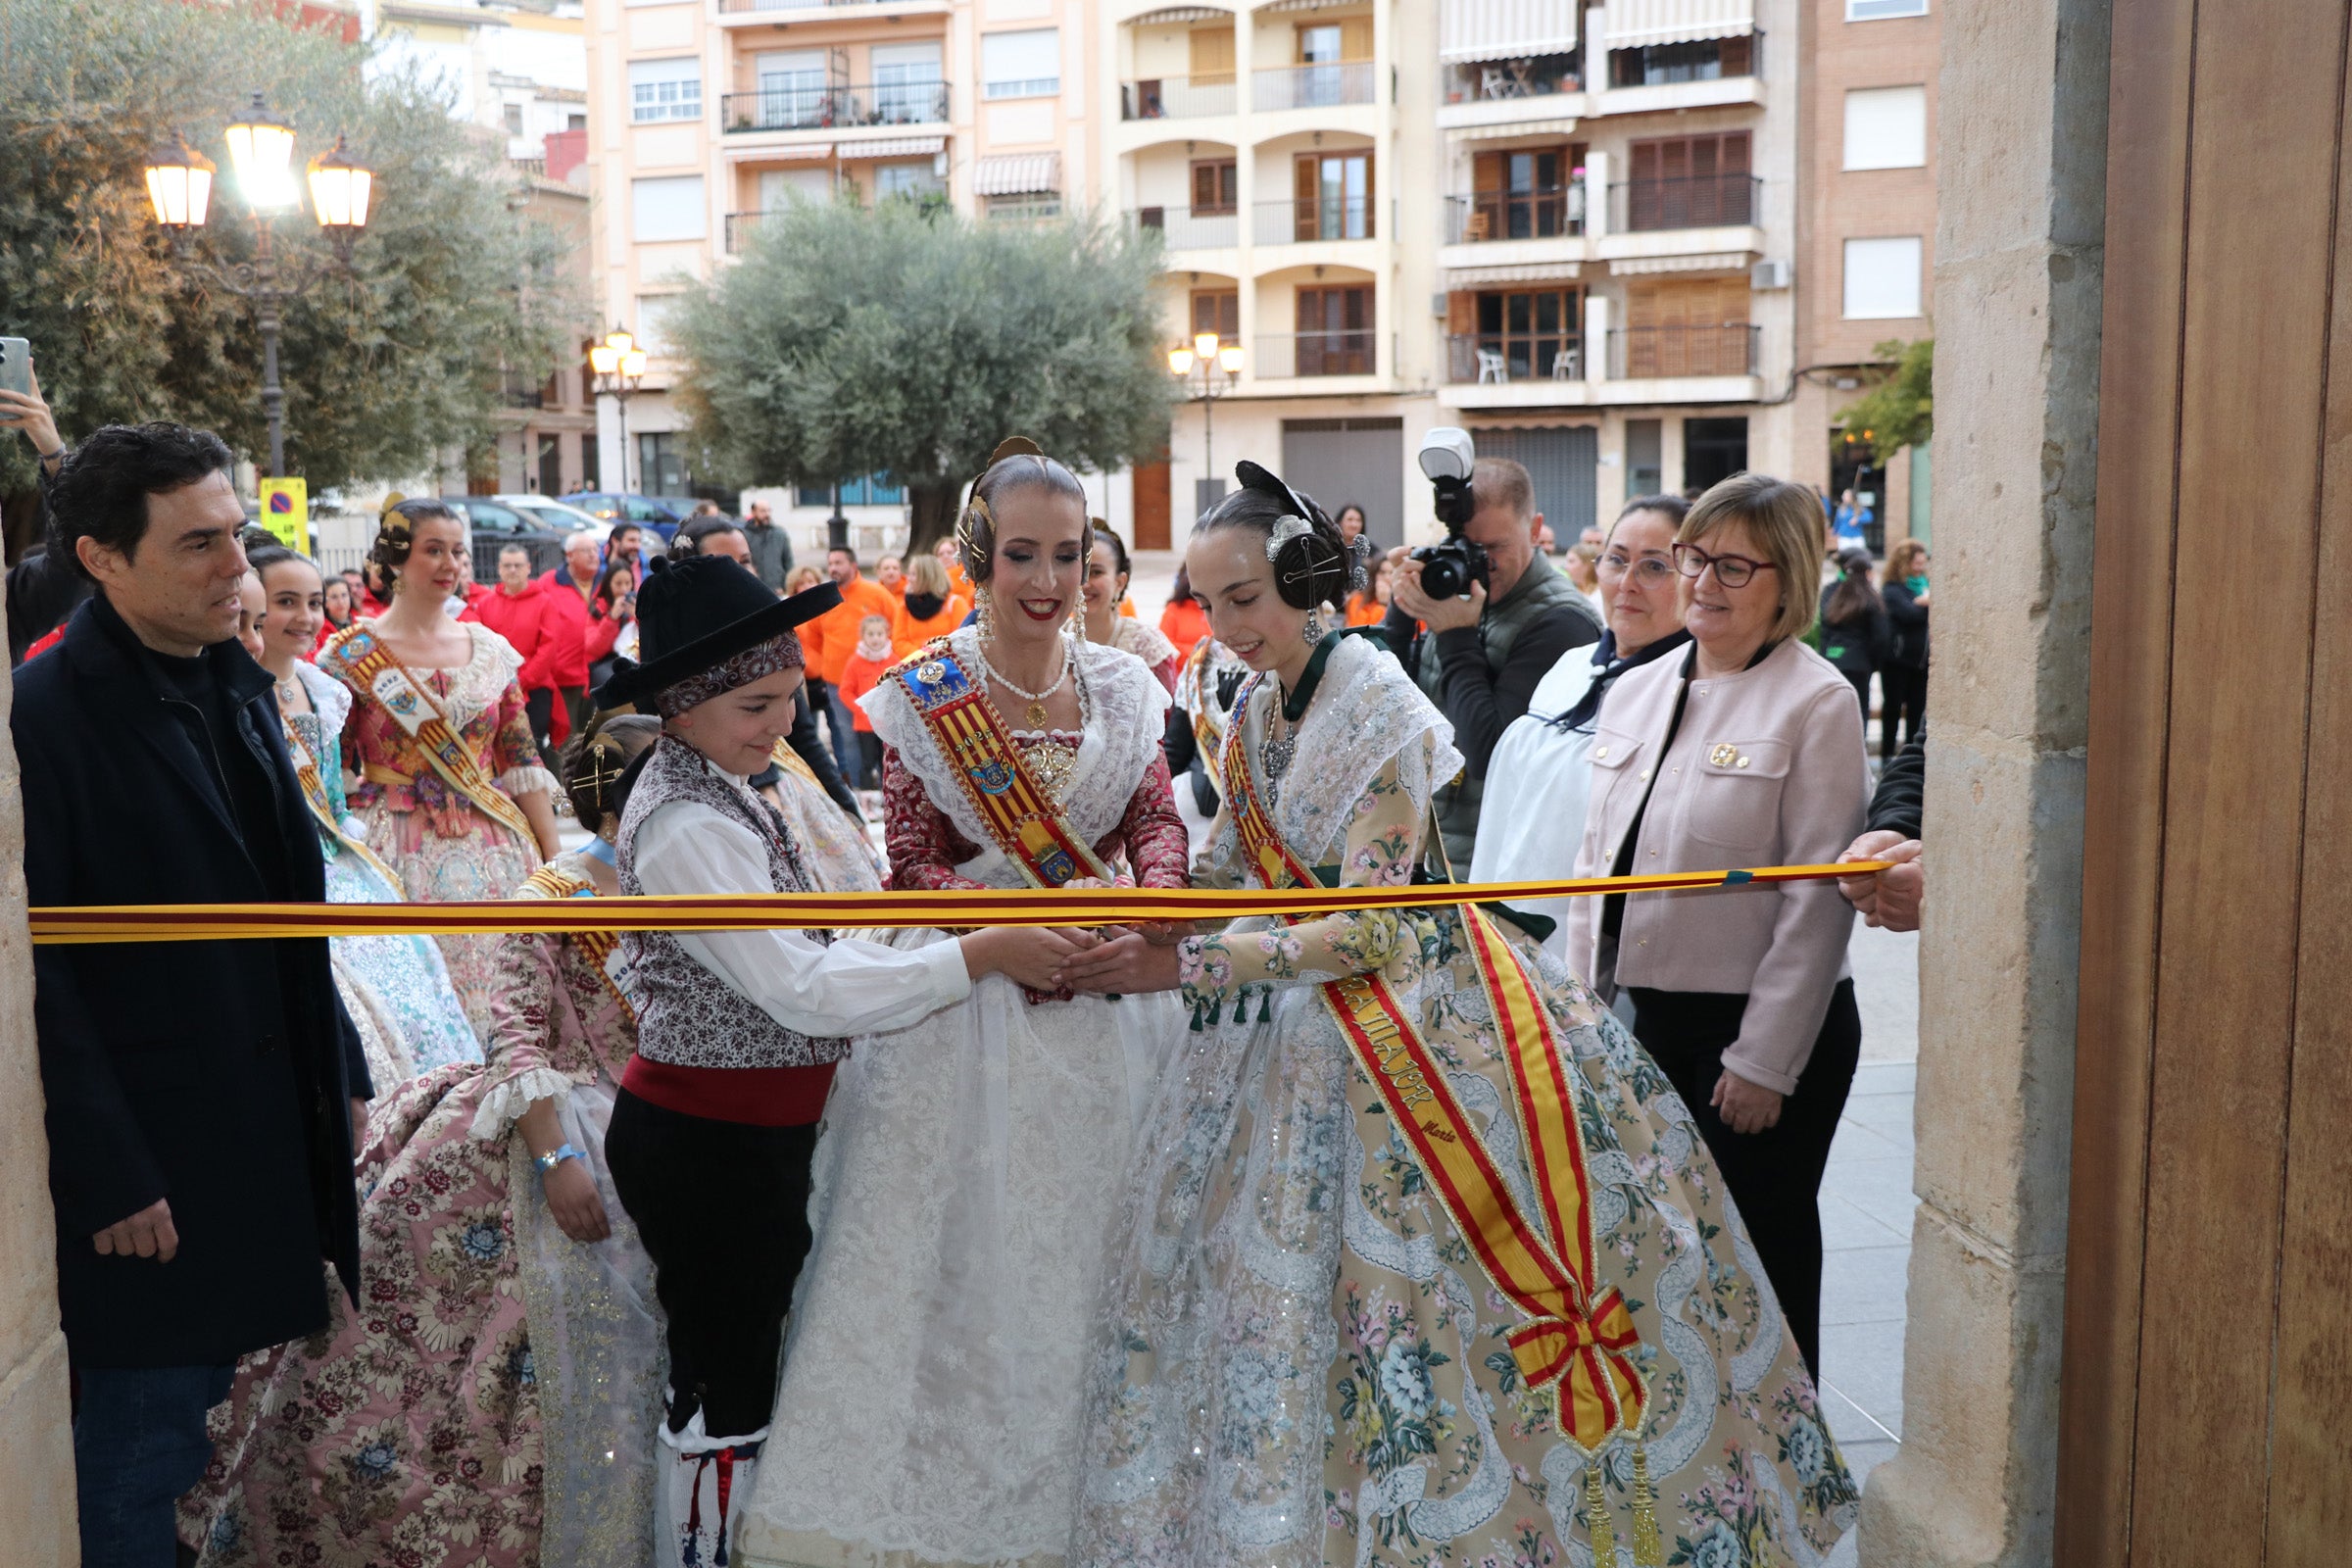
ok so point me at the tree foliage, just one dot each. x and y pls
(454, 288)
(1900, 410)
(855, 340)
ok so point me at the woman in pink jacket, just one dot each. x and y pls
(1746, 752)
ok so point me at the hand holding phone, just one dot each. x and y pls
(22, 407)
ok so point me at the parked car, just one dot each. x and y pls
(553, 514)
(494, 526)
(685, 506)
(647, 511)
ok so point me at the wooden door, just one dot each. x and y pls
(1152, 520)
(2206, 1403)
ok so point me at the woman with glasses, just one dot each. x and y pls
(1531, 824)
(1744, 750)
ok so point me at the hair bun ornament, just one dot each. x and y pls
(1013, 446)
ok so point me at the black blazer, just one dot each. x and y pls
(214, 1074)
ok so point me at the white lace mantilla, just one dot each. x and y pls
(1127, 710)
(330, 699)
(1141, 638)
(1366, 713)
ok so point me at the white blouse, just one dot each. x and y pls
(1531, 819)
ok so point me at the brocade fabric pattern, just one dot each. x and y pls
(498, 1388)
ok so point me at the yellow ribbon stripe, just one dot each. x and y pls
(755, 911)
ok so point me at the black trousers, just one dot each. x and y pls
(1774, 1176)
(869, 758)
(723, 1211)
(577, 705)
(539, 706)
(1859, 680)
(1904, 695)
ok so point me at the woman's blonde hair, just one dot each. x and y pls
(803, 577)
(1899, 558)
(1786, 521)
(927, 574)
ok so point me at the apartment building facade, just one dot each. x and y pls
(1866, 238)
(708, 117)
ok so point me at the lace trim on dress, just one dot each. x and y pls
(1368, 712)
(329, 698)
(515, 782)
(1129, 708)
(478, 685)
(1145, 641)
(505, 1104)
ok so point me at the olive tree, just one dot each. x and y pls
(905, 339)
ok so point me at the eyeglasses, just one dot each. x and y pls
(1649, 572)
(1732, 571)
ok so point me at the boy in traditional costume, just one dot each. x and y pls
(739, 1031)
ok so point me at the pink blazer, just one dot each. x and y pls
(1768, 769)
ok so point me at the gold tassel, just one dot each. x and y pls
(1602, 1530)
(1649, 1550)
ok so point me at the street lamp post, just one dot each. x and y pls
(261, 146)
(618, 364)
(1198, 368)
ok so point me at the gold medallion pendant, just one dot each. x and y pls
(1035, 714)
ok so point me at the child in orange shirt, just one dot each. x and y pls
(860, 674)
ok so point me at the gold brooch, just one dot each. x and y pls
(1724, 755)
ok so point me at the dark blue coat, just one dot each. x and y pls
(212, 1074)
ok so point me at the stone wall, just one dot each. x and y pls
(36, 1453)
(2017, 292)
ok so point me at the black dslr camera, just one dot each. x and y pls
(1448, 569)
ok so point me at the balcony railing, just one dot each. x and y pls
(1176, 97)
(1281, 354)
(1650, 353)
(1703, 201)
(1547, 212)
(1494, 358)
(1191, 228)
(1312, 86)
(740, 228)
(732, 7)
(1312, 217)
(917, 103)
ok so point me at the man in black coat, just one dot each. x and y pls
(201, 1095)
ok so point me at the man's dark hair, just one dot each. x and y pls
(101, 493)
(842, 550)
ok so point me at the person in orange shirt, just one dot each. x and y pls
(1184, 622)
(891, 577)
(860, 674)
(930, 609)
(1369, 606)
(831, 639)
(948, 555)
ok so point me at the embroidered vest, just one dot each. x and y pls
(1539, 589)
(686, 1015)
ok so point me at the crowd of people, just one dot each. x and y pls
(1452, 1233)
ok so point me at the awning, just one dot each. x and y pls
(789, 152)
(1639, 23)
(1179, 15)
(895, 147)
(1517, 272)
(1712, 262)
(1564, 127)
(1470, 30)
(1017, 174)
(1304, 5)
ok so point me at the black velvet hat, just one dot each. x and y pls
(697, 614)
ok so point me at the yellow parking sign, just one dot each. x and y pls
(286, 511)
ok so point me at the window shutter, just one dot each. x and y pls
(1356, 38)
(1486, 172)
(1212, 55)
(1461, 311)
(1306, 175)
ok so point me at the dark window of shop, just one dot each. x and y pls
(551, 465)
(1645, 456)
(1713, 450)
(660, 463)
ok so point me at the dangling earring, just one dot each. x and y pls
(988, 614)
(1074, 628)
(1313, 632)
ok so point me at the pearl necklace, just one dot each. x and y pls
(1036, 711)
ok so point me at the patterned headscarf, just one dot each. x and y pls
(756, 662)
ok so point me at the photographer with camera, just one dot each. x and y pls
(1492, 620)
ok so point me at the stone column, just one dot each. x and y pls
(36, 1449)
(2017, 292)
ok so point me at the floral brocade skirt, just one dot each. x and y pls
(1305, 1364)
(489, 860)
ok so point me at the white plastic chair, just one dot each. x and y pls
(1566, 365)
(1492, 366)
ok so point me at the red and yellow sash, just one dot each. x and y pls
(359, 659)
(603, 947)
(1025, 821)
(1578, 1340)
(314, 793)
(1207, 733)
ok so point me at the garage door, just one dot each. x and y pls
(1564, 461)
(1339, 461)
